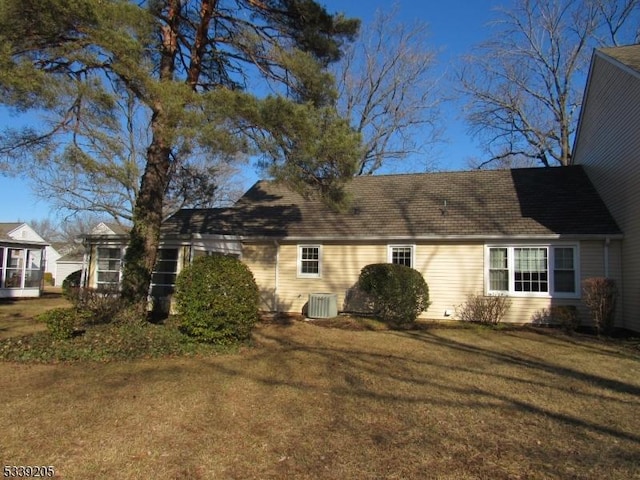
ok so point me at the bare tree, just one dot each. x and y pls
(65, 232)
(94, 168)
(525, 84)
(387, 88)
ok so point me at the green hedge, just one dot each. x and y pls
(400, 293)
(217, 299)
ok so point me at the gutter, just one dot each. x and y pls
(399, 238)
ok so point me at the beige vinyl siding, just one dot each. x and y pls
(261, 260)
(609, 149)
(340, 264)
(452, 271)
(593, 265)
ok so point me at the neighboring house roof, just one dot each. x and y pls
(109, 228)
(627, 55)
(7, 227)
(529, 202)
(9, 234)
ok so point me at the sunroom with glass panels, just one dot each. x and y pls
(21, 268)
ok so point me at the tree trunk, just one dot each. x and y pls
(144, 239)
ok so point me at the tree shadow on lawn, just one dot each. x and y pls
(368, 398)
(375, 364)
(431, 337)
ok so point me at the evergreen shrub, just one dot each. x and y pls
(400, 293)
(217, 299)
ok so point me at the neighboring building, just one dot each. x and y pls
(22, 231)
(531, 234)
(608, 147)
(68, 264)
(23, 260)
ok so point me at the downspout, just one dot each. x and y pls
(276, 277)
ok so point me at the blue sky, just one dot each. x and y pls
(455, 26)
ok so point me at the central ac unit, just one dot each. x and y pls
(323, 305)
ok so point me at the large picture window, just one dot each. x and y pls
(547, 270)
(309, 261)
(531, 269)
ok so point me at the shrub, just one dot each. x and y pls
(399, 293)
(217, 299)
(98, 306)
(48, 278)
(60, 322)
(71, 282)
(486, 310)
(566, 316)
(600, 296)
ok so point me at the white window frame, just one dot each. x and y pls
(301, 248)
(412, 248)
(550, 247)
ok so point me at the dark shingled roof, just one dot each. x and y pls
(7, 227)
(481, 203)
(629, 55)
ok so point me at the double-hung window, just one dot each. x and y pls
(401, 255)
(309, 261)
(532, 270)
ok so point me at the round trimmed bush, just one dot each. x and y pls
(217, 299)
(400, 293)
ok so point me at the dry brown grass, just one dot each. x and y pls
(312, 403)
(17, 315)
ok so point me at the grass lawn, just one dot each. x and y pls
(16, 315)
(312, 402)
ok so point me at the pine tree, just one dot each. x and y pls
(200, 69)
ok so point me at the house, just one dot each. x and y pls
(531, 234)
(607, 146)
(23, 261)
(22, 231)
(104, 255)
(68, 264)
